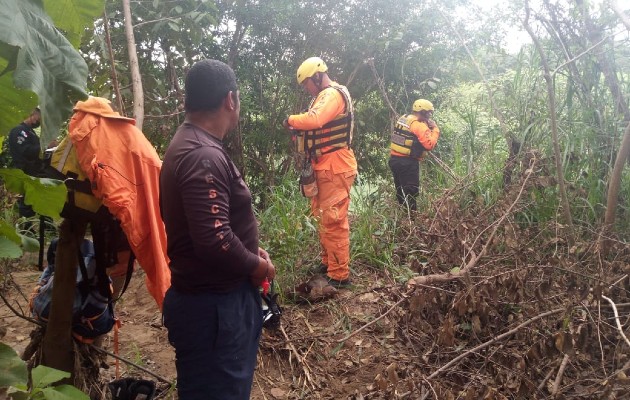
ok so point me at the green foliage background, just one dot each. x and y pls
(40, 65)
(489, 99)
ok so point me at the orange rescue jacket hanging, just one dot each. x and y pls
(124, 169)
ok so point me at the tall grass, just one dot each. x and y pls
(289, 232)
(373, 225)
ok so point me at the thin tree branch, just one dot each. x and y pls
(163, 115)
(619, 327)
(428, 279)
(379, 82)
(495, 109)
(377, 319)
(161, 378)
(544, 381)
(300, 359)
(154, 20)
(585, 52)
(19, 314)
(556, 383)
(493, 340)
(551, 96)
(112, 62)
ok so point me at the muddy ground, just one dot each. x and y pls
(304, 358)
(375, 342)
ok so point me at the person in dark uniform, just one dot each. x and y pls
(24, 151)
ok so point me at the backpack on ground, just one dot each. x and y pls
(132, 389)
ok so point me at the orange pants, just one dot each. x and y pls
(330, 208)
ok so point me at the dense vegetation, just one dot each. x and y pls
(531, 167)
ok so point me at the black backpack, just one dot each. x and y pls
(92, 310)
(132, 389)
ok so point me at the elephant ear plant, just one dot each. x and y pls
(14, 379)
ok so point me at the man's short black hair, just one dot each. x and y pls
(207, 84)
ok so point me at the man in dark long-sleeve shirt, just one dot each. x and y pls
(213, 308)
(212, 231)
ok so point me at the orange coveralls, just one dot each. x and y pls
(335, 173)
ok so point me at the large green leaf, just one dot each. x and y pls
(43, 376)
(9, 232)
(46, 196)
(9, 249)
(15, 104)
(29, 244)
(64, 392)
(12, 368)
(45, 64)
(73, 16)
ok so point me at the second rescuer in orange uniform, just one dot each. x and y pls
(413, 135)
(326, 130)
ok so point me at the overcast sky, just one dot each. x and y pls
(519, 36)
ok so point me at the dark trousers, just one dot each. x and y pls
(406, 171)
(215, 336)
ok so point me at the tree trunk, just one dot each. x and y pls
(112, 63)
(624, 149)
(57, 347)
(551, 95)
(615, 178)
(234, 142)
(136, 80)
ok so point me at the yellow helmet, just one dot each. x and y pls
(422, 105)
(310, 67)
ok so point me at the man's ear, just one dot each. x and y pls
(230, 101)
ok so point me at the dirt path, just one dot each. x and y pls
(142, 339)
(371, 342)
(303, 359)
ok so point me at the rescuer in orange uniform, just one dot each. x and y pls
(413, 135)
(324, 135)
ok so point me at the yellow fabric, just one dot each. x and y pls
(328, 104)
(64, 160)
(125, 167)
